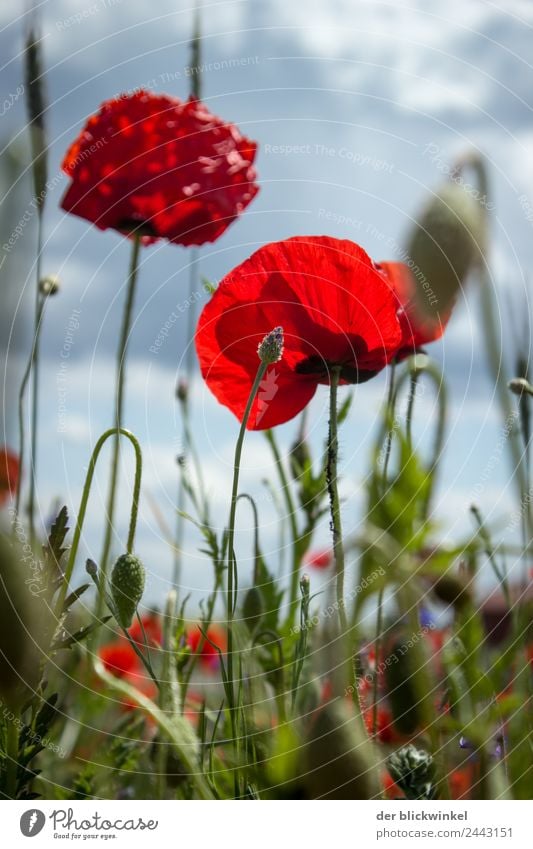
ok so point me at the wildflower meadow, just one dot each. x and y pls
(266, 558)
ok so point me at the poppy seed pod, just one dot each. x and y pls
(338, 760)
(443, 247)
(452, 590)
(127, 587)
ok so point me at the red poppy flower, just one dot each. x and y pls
(385, 731)
(391, 789)
(417, 329)
(119, 658)
(209, 657)
(162, 167)
(336, 310)
(460, 781)
(152, 628)
(322, 558)
(9, 474)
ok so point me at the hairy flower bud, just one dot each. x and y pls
(270, 350)
(127, 587)
(49, 285)
(443, 247)
(519, 385)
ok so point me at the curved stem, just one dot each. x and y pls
(232, 563)
(291, 511)
(83, 509)
(120, 377)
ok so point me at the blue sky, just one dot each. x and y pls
(358, 107)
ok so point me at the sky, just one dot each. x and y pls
(359, 108)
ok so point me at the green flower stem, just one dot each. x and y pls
(294, 601)
(120, 377)
(410, 407)
(32, 366)
(176, 728)
(83, 509)
(391, 400)
(332, 481)
(389, 412)
(232, 563)
(166, 699)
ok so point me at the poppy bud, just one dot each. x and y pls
(519, 385)
(401, 690)
(338, 758)
(443, 248)
(49, 285)
(127, 587)
(270, 350)
(305, 585)
(451, 589)
(252, 608)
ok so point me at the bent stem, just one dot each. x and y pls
(232, 562)
(120, 378)
(117, 432)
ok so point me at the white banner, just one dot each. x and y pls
(256, 825)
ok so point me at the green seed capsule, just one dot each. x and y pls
(127, 587)
(443, 247)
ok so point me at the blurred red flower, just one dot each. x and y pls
(417, 329)
(209, 658)
(119, 658)
(391, 789)
(385, 731)
(9, 474)
(152, 628)
(460, 781)
(162, 167)
(321, 558)
(335, 308)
